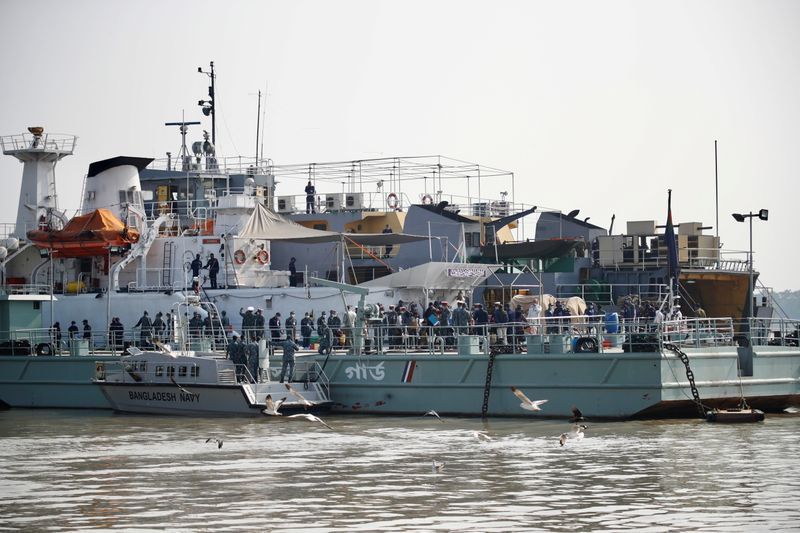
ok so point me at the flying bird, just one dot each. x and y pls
(302, 399)
(218, 441)
(481, 436)
(433, 413)
(311, 418)
(172, 380)
(437, 466)
(527, 403)
(577, 416)
(272, 406)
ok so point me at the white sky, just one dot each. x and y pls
(600, 106)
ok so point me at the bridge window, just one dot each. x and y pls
(182, 371)
(170, 371)
(195, 371)
(159, 371)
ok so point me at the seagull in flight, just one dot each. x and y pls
(311, 418)
(433, 413)
(482, 436)
(437, 467)
(302, 399)
(272, 406)
(218, 441)
(577, 416)
(527, 403)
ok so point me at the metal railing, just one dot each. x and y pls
(215, 165)
(48, 141)
(609, 293)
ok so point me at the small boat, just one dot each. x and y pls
(160, 382)
(737, 415)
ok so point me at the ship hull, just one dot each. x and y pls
(605, 385)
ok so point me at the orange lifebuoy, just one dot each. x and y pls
(263, 257)
(391, 200)
(427, 199)
(238, 257)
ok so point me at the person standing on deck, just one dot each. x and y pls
(389, 247)
(461, 318)
(213, 268)
(306, 327)
(289, 348)
(145, 326)
(195, 266)
(310, 192)
(275, 328)
(292, 272)
(291, 327)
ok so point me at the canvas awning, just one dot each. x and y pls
(437, 276)
(266, 224)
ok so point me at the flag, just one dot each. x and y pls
(673, 269)
(408, 371)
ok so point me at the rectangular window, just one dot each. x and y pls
(170, 371)
(182, 371)
(37, 306)
(195, 371)
(143, 366)
(159, 371)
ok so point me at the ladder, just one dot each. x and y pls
(166, 265)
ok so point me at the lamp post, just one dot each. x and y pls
(762, 214)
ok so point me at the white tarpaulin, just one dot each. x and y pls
(437, 276)
(266, 224)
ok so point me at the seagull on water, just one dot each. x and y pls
(482, 436)
(437, 467)
(311, 418)
(272, 406)
(218, 441)
(575, 434)
(433, 413)
(302, 399)
(527, 403)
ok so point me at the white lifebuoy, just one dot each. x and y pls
(391, 200)
(239, 257)
(263, 257)
(427, 199)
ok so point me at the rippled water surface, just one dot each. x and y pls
(73, 470)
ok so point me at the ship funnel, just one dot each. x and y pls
(114, 184)
(39, 153)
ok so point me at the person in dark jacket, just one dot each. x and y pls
(291, 327)
(289, 349)
(275, 328)
(213, 269)
(306, 328)
(145, 330)
(310, 192)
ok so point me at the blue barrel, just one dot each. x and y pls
(612, 323)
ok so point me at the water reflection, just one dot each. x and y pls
(75, 470)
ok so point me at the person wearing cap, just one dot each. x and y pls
(248, 321)
(258, 326)
(289, 349)
(72, 330)
(335, 325)
(275, 328)
(146, 327)
(159, 326)
(480, 318)
(499, 318)
(325, 335)
(195, 326)
(306, 328)
(291, 327)
(390, 320)
(87, 330)
(460, 318)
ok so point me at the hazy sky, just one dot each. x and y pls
(600, 106)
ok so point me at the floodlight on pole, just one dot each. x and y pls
(763, 214)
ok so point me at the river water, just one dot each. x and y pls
(79, 470)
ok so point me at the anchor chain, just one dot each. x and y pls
(689, 375)
(488, 386)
